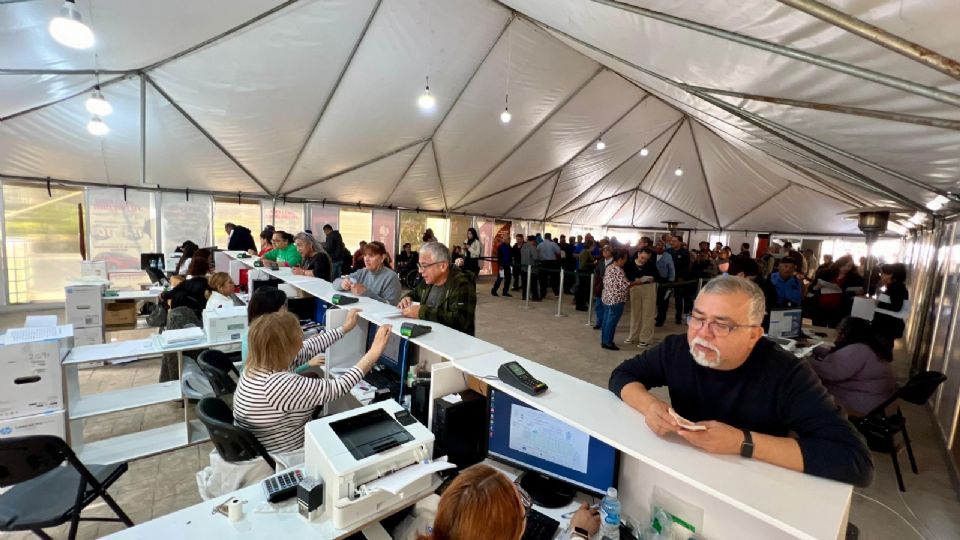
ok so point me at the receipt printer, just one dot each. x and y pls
(342, 300)
(352, 450)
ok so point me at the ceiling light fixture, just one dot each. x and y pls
(69, 29)
(600, 144)
(426, 101)
(96, 126)
(937, 203)
(644, 152)
(97, 104)
(505, 116)
(678, 172)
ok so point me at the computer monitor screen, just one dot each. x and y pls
(525, 437)
(391, 355)
(785, 322)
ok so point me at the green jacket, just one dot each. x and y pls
(289, 255)
(457, 308)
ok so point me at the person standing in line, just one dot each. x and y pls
(666, 273)
(643, 299)
(528, 260)
(333, 245)
(586, 264)
(616, 292)
(504, 262)
(599, 272)
(473, 250)
(682, 294)
(515, 261)
(549, 255)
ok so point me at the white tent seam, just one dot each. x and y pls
(703, 171)
(404, 174)
(546, 178)
(436, 163)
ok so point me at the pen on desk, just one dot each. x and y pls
(569, 515)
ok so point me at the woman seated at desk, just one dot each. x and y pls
(266, 242)
(274, 403)
(374, 280)
(857, 370)
(483, 504)
(222, 291)
(316, 262)
(193, 292)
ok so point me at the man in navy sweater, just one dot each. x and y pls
(754, 398)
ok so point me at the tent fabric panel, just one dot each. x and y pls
(368, 184)
(601, 212)
(54, 141)
(375, 108)
(497, 204)
(582, 119)
(262, 111)
(623, 141)
(129, 35)
(651, 213)
(534, 205)
(420, 187)
(542, 72)
(688, 191)
(22, 92)
(798, 209)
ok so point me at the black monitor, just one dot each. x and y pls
(557, 458)
(784, 323)
(392, 357)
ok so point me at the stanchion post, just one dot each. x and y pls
(590, 302)
(560, 295)
(526, 304)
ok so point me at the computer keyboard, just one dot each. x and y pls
(380, 380)
(540, 526)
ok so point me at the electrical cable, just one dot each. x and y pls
(898, 514)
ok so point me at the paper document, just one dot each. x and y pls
(34, 321)
(37, 333)
(185, 336)
(390, 314)
(394, 483)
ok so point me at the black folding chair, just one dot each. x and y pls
(217, 366)
(879, 428)
(44, 494)
(233, 443)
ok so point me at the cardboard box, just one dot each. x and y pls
(225, 324)
(32, 380)
(49, 423)
(93, 268)
(120, 314)
(87, 336)
(84, 305)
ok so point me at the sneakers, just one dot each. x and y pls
(494, 293)
(642, 344)
(628, 341)
(610, 347)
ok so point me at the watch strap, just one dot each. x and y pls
(580, 532)
(746, 447)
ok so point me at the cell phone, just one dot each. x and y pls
(684, 423)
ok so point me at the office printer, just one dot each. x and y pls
(351, 449)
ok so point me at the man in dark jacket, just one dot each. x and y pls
(515, 261)
(745, 394)
(333, 245)
(446, 295)
(683, 294)
(239, 238)
(505, 266)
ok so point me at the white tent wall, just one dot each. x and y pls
(317, 100)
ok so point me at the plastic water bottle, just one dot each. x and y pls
(610, 516)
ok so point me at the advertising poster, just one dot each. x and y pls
(385, 230)
(120, 230)
(322, 215)
(286, 217)
(183, 220)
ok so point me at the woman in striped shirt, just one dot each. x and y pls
(272, 401)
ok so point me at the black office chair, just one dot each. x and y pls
(44, 494)
(233, 443)
(879, 428)
(216, 365)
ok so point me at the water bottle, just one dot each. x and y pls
(610, 516)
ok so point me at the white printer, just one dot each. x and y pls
(225, 323)
(351, 450)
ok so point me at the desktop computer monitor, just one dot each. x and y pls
(390, 358)
(557, 458)
(784, 323)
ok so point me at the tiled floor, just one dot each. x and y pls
(161, 484)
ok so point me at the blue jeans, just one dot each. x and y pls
(611, 317)
(598, 312)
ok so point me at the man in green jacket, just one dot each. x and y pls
(447, 294)
(284, 250)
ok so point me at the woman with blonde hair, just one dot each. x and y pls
(222, 289)
(273, 402)
(483, 504)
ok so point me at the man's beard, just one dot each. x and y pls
(700, 357)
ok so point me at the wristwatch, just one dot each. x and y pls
(580, 532)
(746, 447)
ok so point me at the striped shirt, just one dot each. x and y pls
(275, 405)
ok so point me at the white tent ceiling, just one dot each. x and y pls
(316, 99)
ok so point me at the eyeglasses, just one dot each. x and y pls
(525, 499)
(422, 266)
(718, 329)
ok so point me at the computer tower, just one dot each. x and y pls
(460, 429)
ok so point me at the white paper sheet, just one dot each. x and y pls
(36, 321)
(37, 333)
(395, 482)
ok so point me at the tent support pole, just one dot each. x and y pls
(86, 90)
(326, 102)
(504, 190)
(404, 174)
(703, 171)
(359, 165)
(143, 129)
(436, 163)
(757, 206)
(917, 53)
(684, 212)
(532, 132)
(795, 54)
(546, 178)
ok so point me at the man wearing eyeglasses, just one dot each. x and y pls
(748, 395)
(446, 295)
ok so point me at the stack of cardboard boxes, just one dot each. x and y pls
(31, 389)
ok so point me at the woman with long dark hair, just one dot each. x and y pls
(473, 250)
(856, 371)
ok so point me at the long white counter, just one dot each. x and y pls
(741, 498)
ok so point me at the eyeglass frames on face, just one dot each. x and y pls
(422, 266)
(718, 329)
(525, 499)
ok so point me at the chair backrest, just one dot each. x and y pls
(212, 367)
(232, 442)
(921, 386)
(157, 276)
(25, 458)
(219, 360)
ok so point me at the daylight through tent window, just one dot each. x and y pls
(246, 213)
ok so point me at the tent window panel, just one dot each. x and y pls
(42, 240)
(246, 213)
(182, 220)
(355, 226)
(121, 228)
(321, 215)
(285, 217)
(458, 231)
(385, 230)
